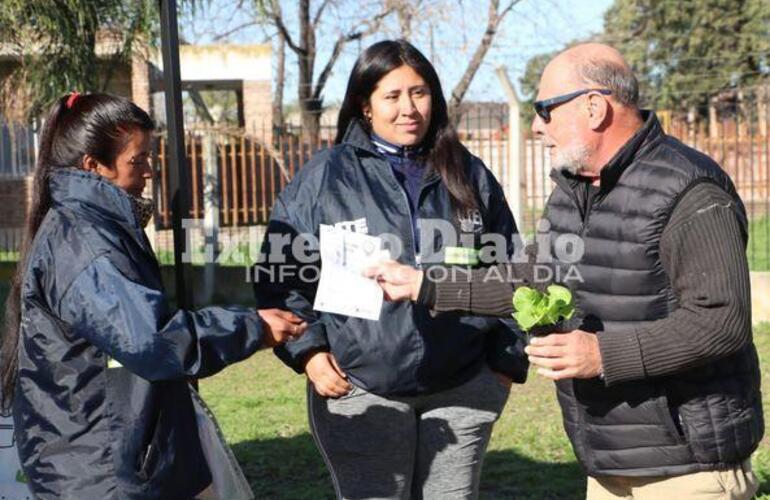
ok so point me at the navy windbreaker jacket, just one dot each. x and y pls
(102, 408)
(408, 351)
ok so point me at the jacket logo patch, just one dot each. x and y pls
(472, 222)
(354, 226)
(461, 256)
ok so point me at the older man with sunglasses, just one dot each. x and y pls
(659, 386)
(662, 396)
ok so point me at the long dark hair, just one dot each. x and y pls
(98, 125)
(445, 154)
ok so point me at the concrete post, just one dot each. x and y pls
(516, 158)
(210, 214)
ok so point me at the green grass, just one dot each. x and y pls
(243, 255)
(762, 456)
(261, 407)
(758, 250)
(9, 256)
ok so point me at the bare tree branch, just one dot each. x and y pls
(493, 22)
(275, 15)
(355, 34)
(309, 88)
(200, 106)
(238, 28)
(406, 11)
(319, 13)
(507, 9)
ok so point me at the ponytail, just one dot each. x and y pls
(94, 124)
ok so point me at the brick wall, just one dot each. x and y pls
(258, 107)
(140, 83)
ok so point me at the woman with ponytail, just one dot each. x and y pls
(94, 361)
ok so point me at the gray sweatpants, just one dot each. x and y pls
(421, 447)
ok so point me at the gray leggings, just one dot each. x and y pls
(422, 447)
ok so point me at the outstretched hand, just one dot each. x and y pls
(398, 281)
(280, 326)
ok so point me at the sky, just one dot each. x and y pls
(533, 27)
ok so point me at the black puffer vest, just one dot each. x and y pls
(705, 418)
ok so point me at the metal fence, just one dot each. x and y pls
(250, 171)
(252, 168)
(18, 146)
(238, 173)
(735, 135)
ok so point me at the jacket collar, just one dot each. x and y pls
(358, 137)
(90, 194)
(388, 148)
(630, 152)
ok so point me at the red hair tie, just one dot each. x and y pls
(71, 101)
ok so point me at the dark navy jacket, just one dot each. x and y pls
(408, 351)
(102, 408)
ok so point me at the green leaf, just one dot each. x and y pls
(533, 308)
(558, 292)
(525, 298)
(526, 319)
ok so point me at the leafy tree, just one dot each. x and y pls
(56, 42)
(688, 51)
(529, 82)
(684, 52)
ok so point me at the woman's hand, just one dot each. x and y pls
(326, 375)
(398, 281)
(280, 326)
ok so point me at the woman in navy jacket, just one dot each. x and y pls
(402, 406)
(94, 359)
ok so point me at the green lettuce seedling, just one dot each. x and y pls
(533, 308)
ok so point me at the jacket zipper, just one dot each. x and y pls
(416, 256)
(568, 189)
(589, 208)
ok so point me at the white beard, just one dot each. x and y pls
(572, 160)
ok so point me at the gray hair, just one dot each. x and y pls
(618, 78)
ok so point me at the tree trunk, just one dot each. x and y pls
(493, 21)
(309, 93)
(405, 15)
(309, 106)
(280, 77)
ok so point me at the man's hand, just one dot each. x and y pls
(398, 281)
(280, 326)
(326, 375)
(566, 355)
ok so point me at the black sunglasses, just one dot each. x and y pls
(543, 108)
